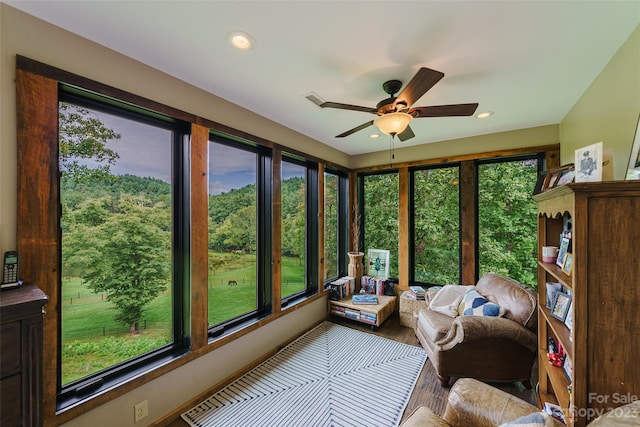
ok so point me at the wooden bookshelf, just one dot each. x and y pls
(605, 236)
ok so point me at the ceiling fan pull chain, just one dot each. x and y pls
(392, 154)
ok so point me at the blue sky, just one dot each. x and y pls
(146, 151)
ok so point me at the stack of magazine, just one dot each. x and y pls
(417, 292)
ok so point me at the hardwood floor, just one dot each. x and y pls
(427, 391)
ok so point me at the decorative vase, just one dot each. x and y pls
(355, 267)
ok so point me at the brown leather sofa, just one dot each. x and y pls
(472, 403)
(482, 347)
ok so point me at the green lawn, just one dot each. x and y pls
(92, 340)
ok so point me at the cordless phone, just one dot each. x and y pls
(10, 271)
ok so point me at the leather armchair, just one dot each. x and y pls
(472, 403)
(484, 347)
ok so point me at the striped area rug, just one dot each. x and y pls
(331, 376)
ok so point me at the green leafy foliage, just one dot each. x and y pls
(330, 226)
(507, 217)
(381, 216)
(83, 137)
(437, 226)
(507, 221)
(124, 252)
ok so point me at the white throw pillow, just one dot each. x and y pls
(447, 299)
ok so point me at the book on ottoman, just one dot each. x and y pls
(364, 299)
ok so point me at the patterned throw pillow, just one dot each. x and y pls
(537, 419)
(474, 304)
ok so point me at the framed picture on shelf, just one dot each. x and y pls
(562, 252)
(561, 306)
(568, 262)
(566, 177)
(551, 289)
(589, 163)
(559, 176)
(378, 263)
(550, 181)
(568, 320)
(567, 365)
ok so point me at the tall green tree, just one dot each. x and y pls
(129, 258)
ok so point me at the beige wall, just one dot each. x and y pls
(608, 111)
(543, 135)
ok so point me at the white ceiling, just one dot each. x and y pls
(527, 61)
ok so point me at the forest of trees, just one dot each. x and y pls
(506, 216)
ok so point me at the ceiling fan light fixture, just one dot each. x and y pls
(393, 123)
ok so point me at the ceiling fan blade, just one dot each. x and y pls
(324, 104)
(444, 110)
(348, 107)
(424, 80)
(406, 134)
(355, 129)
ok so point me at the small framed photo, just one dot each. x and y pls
(568, 262)
(567, 365)
(566, 177)
(552, 178)
(562, 252)
(378, 263)
(561, 175)
(569, 319)
(588, 163)
(551, 289)
(561, 306)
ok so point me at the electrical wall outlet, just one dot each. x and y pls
(141, 411)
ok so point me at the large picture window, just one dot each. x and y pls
(507, 218)
(435, 219)
(299, 229)
(380, 215)
(122, 274)
(233, 232)
(335, 225)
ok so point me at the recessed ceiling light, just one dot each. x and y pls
(374, 136)
(241, 40)
(485, 115)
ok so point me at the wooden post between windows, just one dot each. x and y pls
(276, 260)
(353, 211)
(321, 223)
(199, 241)
(468, 214)
(37, 221)
(403, 228)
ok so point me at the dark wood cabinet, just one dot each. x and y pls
(21, 316)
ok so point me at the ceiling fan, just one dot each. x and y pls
(395, 113)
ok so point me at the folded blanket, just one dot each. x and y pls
(447, 300)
